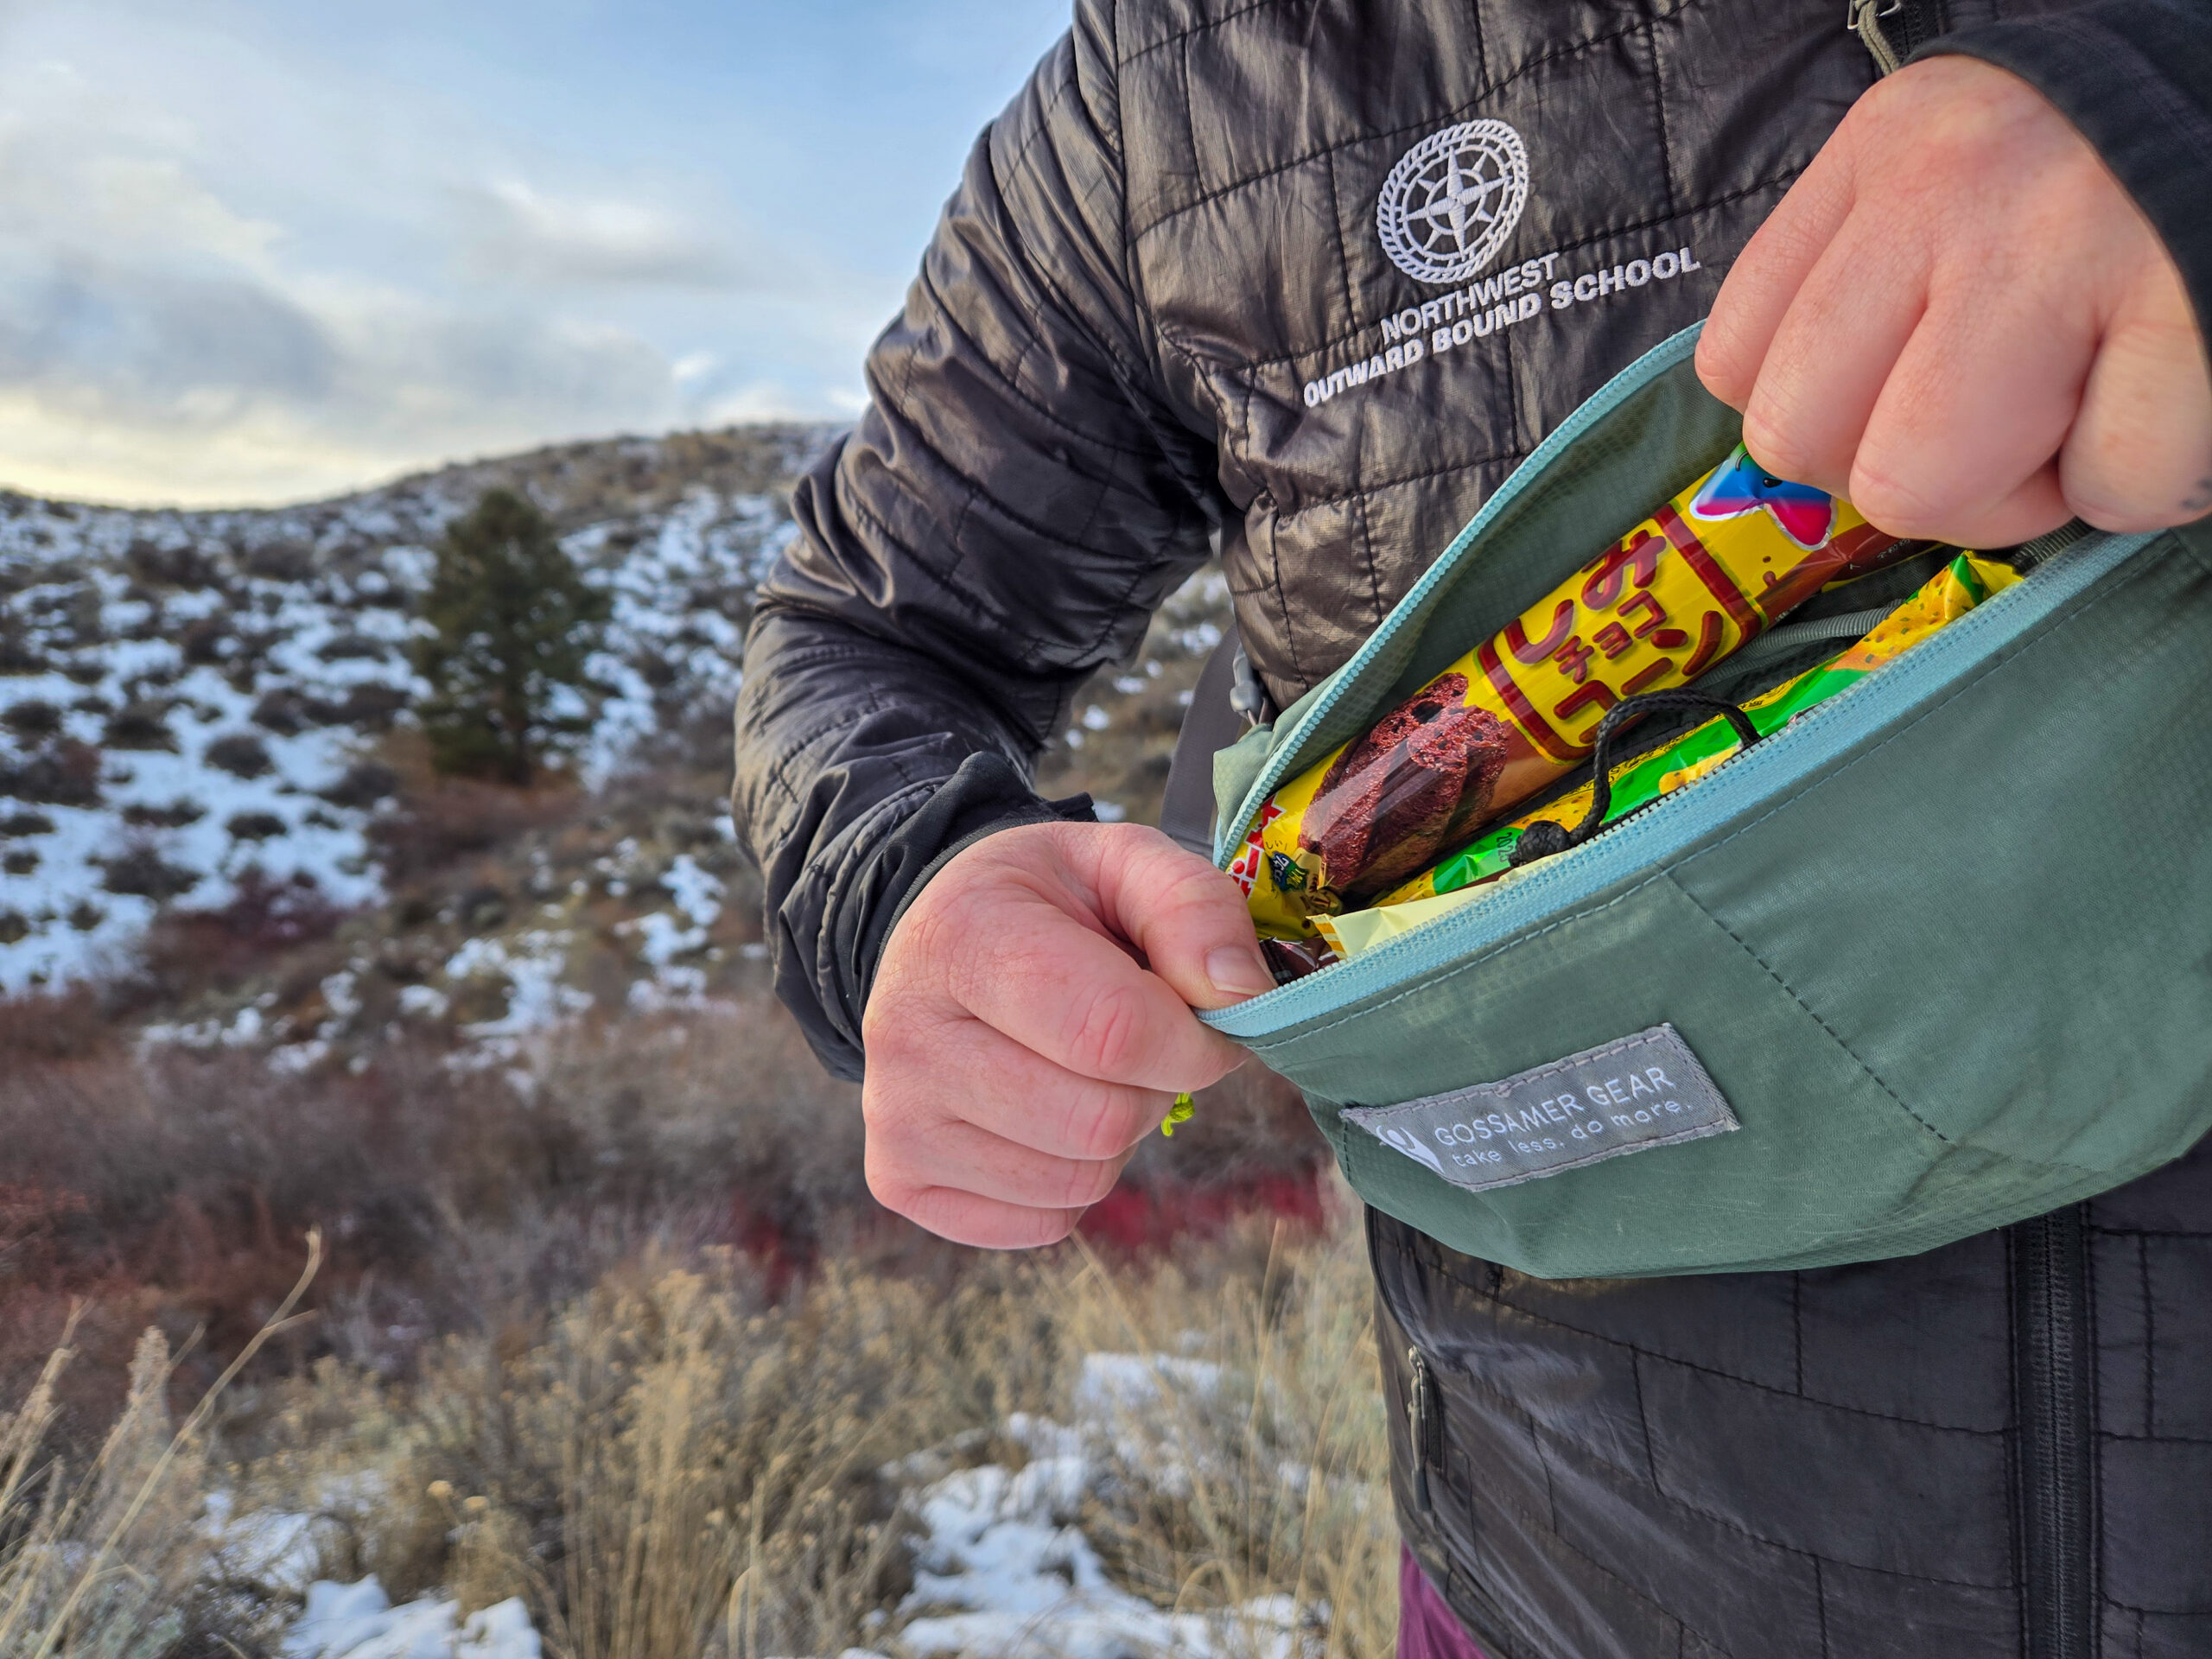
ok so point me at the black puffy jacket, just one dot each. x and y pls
(1310, 276)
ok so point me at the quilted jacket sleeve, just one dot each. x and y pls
(1016, 501)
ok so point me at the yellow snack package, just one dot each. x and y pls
(1701, 576)
(1964, 583)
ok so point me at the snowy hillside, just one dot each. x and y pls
(187, 697)
(211, 784)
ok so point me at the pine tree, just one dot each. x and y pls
(516, 624)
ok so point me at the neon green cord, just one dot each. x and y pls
(1181, 1112)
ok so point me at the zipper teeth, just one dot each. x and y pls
(1676, 820)
(2052, 1355)
(1600, 403)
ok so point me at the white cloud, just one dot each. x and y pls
(124, 379)
(514, 233)
(771, 400)
(232, 273)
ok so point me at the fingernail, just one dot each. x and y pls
(1235, 972)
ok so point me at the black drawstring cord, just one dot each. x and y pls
(1543, 838)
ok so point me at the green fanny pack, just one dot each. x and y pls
(1934, 957)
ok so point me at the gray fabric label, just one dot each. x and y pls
(1643, 1091)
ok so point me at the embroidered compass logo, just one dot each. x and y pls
(1452, 199)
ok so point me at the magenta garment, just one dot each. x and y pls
(1427, 1628)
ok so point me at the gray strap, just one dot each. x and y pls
(1893, 30)
(1865, 20)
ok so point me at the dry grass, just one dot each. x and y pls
(1276, 1481)
(678, 1465)
(687, 1461)
(108, 1563)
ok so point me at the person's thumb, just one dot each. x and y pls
(1186, 917)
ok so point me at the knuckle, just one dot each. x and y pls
(891, 1042)
(1080, 1185)
(884, 1114)
(1193, 884)
(1100, 1124)
(894, 1191)
(1108, 1034)
(1048, 1228)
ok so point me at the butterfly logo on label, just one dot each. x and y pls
(1805, 515)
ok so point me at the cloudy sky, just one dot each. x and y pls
(258, 251)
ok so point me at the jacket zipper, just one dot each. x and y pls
(2052, 1380)
(1422, 1423)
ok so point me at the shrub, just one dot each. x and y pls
(66, 1025)
(68, 775)
(33, 718)
(263, 919)
(240, 754)
(256, 826)
(107, 1560)
(143, 873)
(140, 725)
(364, 784)
(175, 815)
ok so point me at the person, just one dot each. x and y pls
(1305, 280)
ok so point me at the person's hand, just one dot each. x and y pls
(1959, 321)
(1030, 1022)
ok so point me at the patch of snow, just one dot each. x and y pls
(670, 984)
(697, 894)
(664, 941)
(426, 1001)
(245, 1029)
(1113, 1387)
(295, 1058)
(357, 1621)
(271, 1548)
(532, 963)
(1000, 1574)
(342, 999)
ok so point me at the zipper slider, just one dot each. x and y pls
(1420, 1424)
